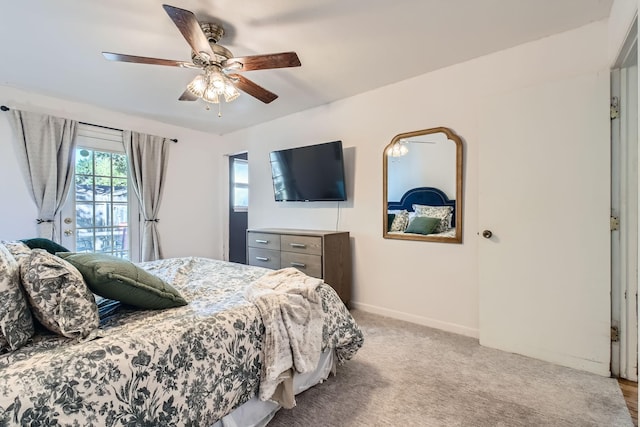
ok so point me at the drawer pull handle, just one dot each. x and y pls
(299, 264)
(262, 241)
(262, 258)
(298, 245)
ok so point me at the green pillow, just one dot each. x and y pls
(423, 225)
(46, 244)
(119, 279)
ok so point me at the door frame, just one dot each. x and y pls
(240, 217)
(224, 207)
(625, 206)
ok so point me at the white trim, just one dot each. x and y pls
(420, 320)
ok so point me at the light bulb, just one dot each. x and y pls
(211, 95)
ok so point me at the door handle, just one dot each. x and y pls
(487, 234)
(68, 232)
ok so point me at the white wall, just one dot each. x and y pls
(189, 214)
(434, 284)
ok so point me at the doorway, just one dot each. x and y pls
(624, 210)
(101, 211)
(238, 207)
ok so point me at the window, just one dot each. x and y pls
(240, 185)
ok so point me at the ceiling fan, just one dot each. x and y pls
(220, 78)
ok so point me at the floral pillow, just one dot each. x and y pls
(59, 297)
(16, 323)
(17, 248)
(400, 221)
(442, 212)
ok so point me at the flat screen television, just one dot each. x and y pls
(312, 173)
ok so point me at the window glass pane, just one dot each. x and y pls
(84, 215)
(240, 197)
(103, 240)
(103, 215)
(240, 171)
(84, 161)
(84, 240)
(119, 165)
(120, 242)
(120, 214)
(84, 187)
(103, 163)
(103, 189)
(119, 190)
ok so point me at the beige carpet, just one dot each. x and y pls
(411, 375)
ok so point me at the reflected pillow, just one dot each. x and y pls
(423, 225)
(400, 221)
(16, 323)
(443, 212)
(58, 296)
(121, 280)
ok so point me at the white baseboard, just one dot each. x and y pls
(432, 323)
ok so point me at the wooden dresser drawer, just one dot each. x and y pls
(267, 258)
(309, 264)
(263, 240)
(301, 244)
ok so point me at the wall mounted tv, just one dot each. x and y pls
(311, 173)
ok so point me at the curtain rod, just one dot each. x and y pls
(5, 108)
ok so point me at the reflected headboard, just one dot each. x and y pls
(429, 196)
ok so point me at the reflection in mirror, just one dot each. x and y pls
(422, 194)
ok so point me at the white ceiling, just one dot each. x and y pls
(346, 47)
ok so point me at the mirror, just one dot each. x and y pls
(422, 186)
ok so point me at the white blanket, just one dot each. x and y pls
(291, 310)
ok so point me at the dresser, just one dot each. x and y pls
(322, 254)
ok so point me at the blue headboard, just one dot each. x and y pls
(423, 196)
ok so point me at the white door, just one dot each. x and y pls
(101, 213)
(544, 273)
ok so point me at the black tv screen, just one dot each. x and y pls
(309, 174)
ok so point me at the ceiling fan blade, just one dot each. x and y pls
(252, 88)
(187, 96)
(264, 62)
(190, 28)
(145, 60)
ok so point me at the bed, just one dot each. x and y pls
(199, 364)
(401, 213)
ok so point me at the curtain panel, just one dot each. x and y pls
(46, 149)
(147, 156)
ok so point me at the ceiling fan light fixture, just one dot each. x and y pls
(198, 85)
(398, 149)
(211, 95)
(230, 92)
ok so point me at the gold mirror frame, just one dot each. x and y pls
(451, 136)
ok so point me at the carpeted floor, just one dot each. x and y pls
(412, 375)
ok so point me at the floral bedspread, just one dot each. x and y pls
(189, 365)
